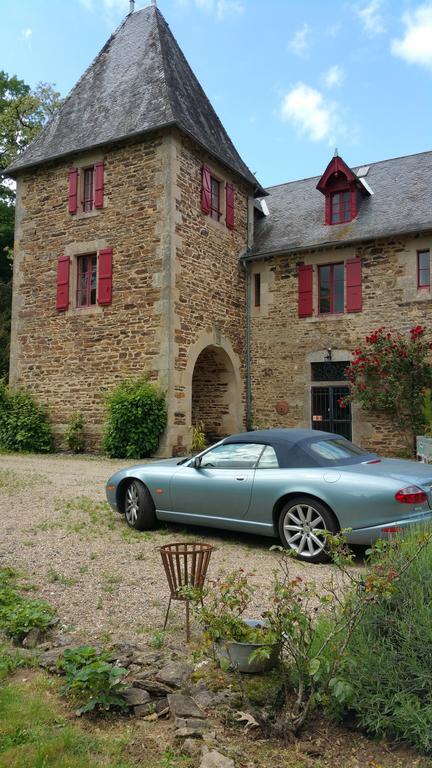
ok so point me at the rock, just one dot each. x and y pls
(184, 706)
(192, 748)
(175, 673)
(191, 722)
(32, 638)
(146, 659)
(136, 696)
(152, 686)
(208, 699)
(142, 710)
(49, 659)
(161, 704)
(214, 759)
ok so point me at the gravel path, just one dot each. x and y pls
(105, 579)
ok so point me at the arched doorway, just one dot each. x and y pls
(216, 398)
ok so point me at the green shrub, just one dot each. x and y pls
(23, 422)
(387, 673)
(92, 679)
(74, 435)
(18, 615)
(136, 419)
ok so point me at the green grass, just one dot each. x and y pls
(34, 732)
(11, 481)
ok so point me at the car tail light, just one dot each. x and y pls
(411, 495)
(392, 529)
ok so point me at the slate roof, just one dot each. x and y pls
(401, 204)
(140, 81)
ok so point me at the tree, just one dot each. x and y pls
(23, 113)
(390, 373)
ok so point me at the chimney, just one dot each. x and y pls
(131, 6)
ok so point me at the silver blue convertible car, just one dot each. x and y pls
(292, 483)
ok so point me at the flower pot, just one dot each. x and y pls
(237, 654)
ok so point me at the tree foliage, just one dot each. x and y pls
(23, 113)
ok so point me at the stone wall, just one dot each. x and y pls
(209, 294)
(283, 345)
(68, 359)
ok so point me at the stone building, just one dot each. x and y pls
(144, 245)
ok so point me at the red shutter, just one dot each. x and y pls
(230, 190)
(305, 293)
(105, 276)
(62, 301)
(99, 185)
(205, 189)
(353, 285)
(73, 190)
(328, 209)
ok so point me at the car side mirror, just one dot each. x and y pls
(197, 462)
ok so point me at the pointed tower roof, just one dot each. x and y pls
(139, 82)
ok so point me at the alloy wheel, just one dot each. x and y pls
(132, 504)
(304, 530)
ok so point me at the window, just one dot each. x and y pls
(340, 203)
(423, 269)
(331, 289)
(257, 289)
(268, 459)
(215, 199)
(88, 189)
(86, 280)
(232, 456)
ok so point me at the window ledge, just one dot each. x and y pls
(95, 309)
(87, 214)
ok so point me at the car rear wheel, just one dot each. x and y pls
(302, 526)
(139, 508)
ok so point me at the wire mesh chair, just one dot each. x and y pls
(185, 565)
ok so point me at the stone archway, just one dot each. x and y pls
(216, 398)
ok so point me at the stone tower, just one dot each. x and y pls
(133, 208)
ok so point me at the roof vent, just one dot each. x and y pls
(363, 171)
(131, 6)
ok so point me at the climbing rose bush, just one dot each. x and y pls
(389, 373)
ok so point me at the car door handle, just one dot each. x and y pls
(241, 477)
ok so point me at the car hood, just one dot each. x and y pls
(162, 462)
(410, 472)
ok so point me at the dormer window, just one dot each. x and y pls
(340, 207)
(343, 191)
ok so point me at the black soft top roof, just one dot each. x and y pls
(278, 436)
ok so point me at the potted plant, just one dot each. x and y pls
(246, 644)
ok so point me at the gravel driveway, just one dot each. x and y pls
(106, 580)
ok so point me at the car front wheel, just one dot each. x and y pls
(139, 508)
(303, 523)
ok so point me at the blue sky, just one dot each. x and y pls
(290, 80)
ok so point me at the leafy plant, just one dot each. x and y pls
(24, 424)
(136, 419)
(18, 615)
(221, 615)
(389, 373)
(157, 639)
(427, 411)
(199, 441)
(74, 434)
(386, 671)
(93, 680)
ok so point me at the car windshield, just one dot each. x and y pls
(335, 451)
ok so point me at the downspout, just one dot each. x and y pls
(248, 366)
(248, 357)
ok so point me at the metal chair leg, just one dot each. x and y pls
(187, 622)
(166, 615)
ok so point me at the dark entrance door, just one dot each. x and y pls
(327, 414)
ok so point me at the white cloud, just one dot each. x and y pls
(26, 34)
(300, 42)
(334, 76)
(371, 17)
(416, 45)
(313, 116)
